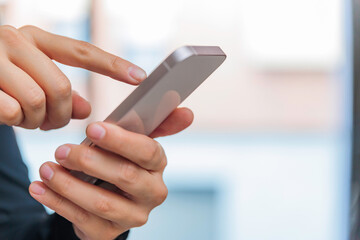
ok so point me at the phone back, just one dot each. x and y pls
(164, 89)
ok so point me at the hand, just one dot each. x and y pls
(34, 92)
(132, 162)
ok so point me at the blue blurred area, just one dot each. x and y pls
(235, 184)
(224, 185)
(176, 217)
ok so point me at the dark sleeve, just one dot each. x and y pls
(21, 217)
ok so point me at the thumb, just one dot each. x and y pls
(81, 109)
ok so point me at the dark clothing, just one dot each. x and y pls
(21, 217)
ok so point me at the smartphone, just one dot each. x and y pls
(162, 91)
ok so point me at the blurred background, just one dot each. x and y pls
(267, 157)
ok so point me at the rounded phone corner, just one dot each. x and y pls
(180, 54)
(184, 52)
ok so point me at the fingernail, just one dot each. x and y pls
(96, 132)
(46, 172)
(62, 152)
(37, 189)
(137, 74)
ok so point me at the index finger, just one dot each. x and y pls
(83, 54)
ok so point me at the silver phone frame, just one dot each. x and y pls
(177, 56)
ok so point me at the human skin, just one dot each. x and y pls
(132, 162)
(35, 93)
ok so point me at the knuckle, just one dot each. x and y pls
(160, 194)
(102, 205)
(12, 114)
(58, 203)
(83, 49)
(128, 173)
(65, 187)
(164, 161)
(35, 99)
(28, 28)
(28, 31)
(63, 87)
(84, 156)
(153, 154)
(116, 63)
(7, 29)
(81, 216)
(10, 35)
(140, 219)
